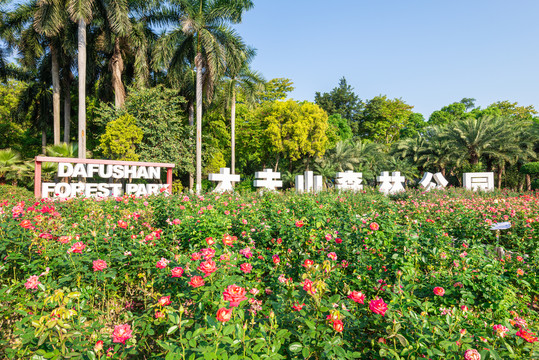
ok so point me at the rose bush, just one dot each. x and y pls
(263, 276)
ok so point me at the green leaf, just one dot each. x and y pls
(90, 355)
(228, 330)
(172, 329)
(310, 324)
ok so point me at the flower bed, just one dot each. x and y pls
(327, 276)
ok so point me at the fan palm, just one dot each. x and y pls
(10, 165)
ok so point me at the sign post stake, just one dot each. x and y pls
(37, 179)
(169, 180)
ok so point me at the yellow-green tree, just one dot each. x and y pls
(293, 129)
(120, 139)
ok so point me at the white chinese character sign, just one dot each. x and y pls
(390, 184)
(225, 179)
(479, 181)
(268, 179)
(427, 183)
(308, 182)
(349, 180)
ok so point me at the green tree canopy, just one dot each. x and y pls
(276, 89)
(158, 112)
(294, 129)
(120, 138)
(384, 118)
(343, 101)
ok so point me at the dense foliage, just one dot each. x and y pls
(326, 276)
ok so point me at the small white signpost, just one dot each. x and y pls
(349, 180)
(390, 184)
(479, 181)
(268, 179)
(427, 183)
(225, 179)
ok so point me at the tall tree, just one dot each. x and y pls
(249, 82)
(33, 27)
(343, 101)
(81, 12)
(384, 118)
(203, 31)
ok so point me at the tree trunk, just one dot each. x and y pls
(55, 94)
(233, 133)
(117, 67)
(191, 123)
(528, 182)
(501, 169)
(67, 107)
(82, 87)
(198, 65)
(43, 141)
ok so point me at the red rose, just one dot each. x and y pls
(235, 294)
(439, 291)
(299, 223)
(308, 263)
(26, 224)
(229, 240)
(224, 314)
(164, 301)
(357, 296)
(378, 306)
(529, 337)
(122, 224)
(374, 226)
(338, 325)
(196, 281)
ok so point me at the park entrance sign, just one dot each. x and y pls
(110, 170)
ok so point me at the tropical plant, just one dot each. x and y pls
(202, 32)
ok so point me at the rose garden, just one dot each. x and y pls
(333, 275)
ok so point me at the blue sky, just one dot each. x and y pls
(430, 53)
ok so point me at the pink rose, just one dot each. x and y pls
(246, 268)
(121, 333)
(472, 354)
(378, 306)
(99, 265)
(207, 267)
(32, 282)
(77, 247)
(161, 264)
(177, 272)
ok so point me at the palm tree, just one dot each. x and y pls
(470, 139)
(203, 32)
(10, 165)
(81, 12)
(341, 158)
(49, 19)
(31, 28)
(250, 83)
